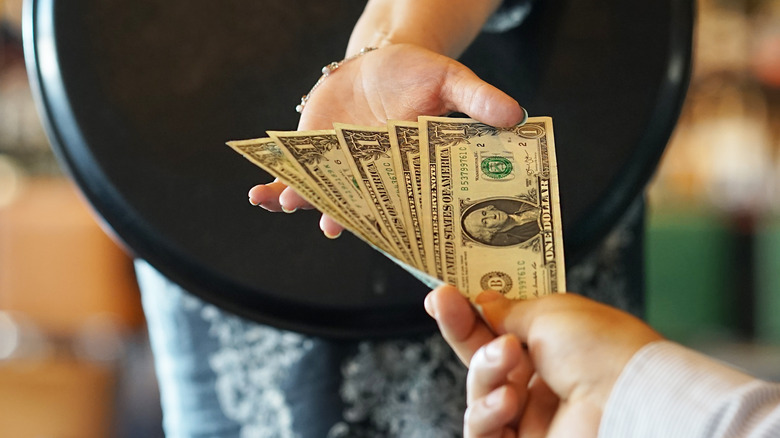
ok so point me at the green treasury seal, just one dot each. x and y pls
(496, 167)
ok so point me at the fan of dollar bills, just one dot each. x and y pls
(449, 199)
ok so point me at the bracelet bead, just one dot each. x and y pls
(326, 71)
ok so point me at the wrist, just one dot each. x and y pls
(446, 27)
(326, 71)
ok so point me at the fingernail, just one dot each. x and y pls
(479, 309)
(495, 397)
(517, 375)
(493, 350)
(332, 237)
(482, 303)
(525, 116)
(487, 297)
(428, 304)
(289, 211)
(251, 201)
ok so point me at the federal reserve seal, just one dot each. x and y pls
(497, 281)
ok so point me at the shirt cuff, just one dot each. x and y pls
(671, 391)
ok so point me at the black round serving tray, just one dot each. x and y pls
(138, 99)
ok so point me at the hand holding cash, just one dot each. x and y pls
(395, 82)
(449, 199)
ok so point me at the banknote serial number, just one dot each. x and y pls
(463, 168)
(521, 275)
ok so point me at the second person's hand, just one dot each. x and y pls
(552, 368)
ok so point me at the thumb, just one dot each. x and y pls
(463, 91)
(517, 316)
(496, 310)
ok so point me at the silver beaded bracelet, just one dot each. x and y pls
(326, 71)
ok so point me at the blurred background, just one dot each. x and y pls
(713, 235)
(74, 357)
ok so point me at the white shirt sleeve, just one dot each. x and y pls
(668, 391)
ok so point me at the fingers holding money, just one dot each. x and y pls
(291, 201)
(458, 322)
(497, 388)
(267, 195)
(276, 196)
(330, 227)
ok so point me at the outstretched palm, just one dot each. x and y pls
(397, 82)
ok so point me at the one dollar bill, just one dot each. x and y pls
(493, 196)
(451, 200)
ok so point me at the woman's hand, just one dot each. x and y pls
(395, 82)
